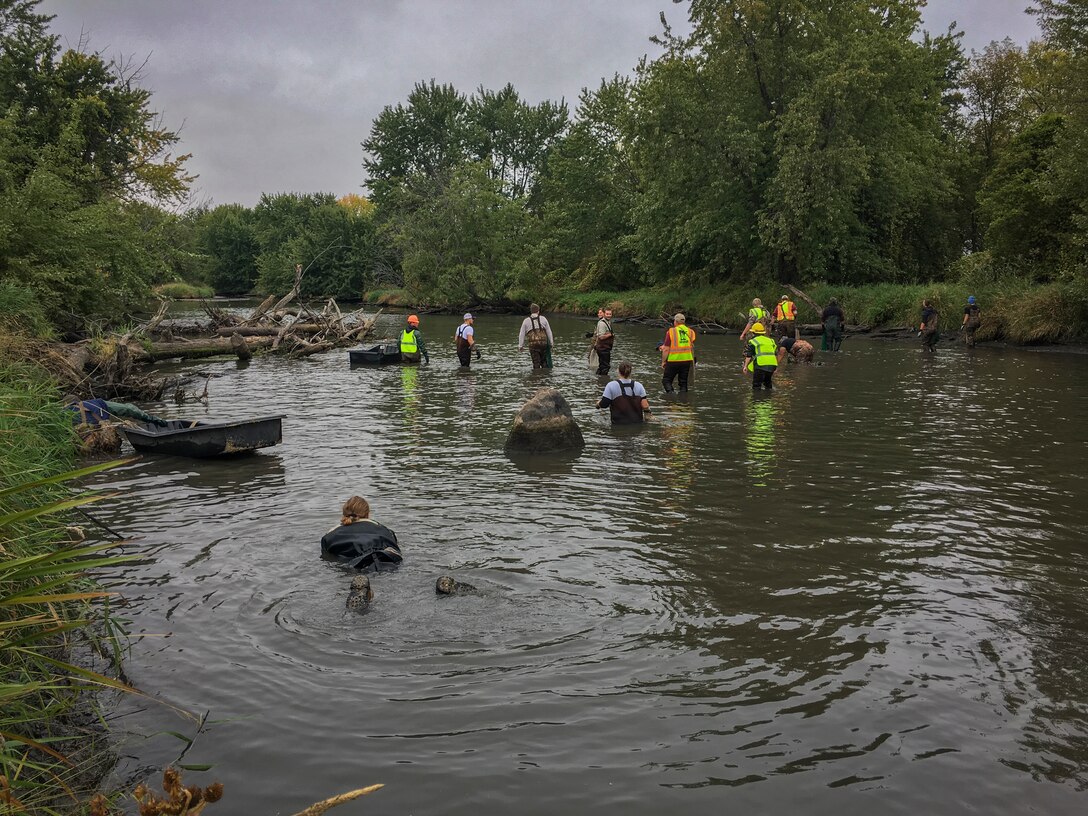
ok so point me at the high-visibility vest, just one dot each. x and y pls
(764, 351)
(785, 310)
(757, 314)
(679, 340)
(408, 342)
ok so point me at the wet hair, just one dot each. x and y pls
(534, 309)
(355, 509)
(625, 369)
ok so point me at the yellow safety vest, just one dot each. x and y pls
(757, 314)
(408, 342)
(764, 349)
(679, 340)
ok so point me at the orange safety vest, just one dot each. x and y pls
(679, 342)
(785, 310)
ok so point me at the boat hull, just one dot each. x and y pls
(204, 440)
(381, 354)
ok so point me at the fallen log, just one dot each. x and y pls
(269, 331)
(260, 310)
(304, 349)
(241, 348)
(210, 347)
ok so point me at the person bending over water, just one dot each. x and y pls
(359, 541)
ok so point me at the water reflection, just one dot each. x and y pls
(678, 437)
(760, 438)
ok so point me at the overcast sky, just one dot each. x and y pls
(277, 96)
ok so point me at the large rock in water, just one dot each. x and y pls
(543, 425)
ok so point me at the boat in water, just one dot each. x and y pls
(203, 440)
(381, 354)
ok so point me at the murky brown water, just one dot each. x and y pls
(867, 594)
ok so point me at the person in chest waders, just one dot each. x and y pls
(757, 314)
(466, 341)
(832, 320)
(411, 343)
(536, 333)
(677, 354)
(625, 399)
(785, 318)
(928, 328)
(603, 341)
(972, 319)
(761, 358)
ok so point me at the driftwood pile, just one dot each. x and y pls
(110, 366)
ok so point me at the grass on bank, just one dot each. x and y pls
(50, 750)
(183, 291)
(1013, 309)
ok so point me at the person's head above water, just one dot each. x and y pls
(413, 320)
(971, 300)
(355, 509)
(625, 369)
(757, 302)
(534, 309)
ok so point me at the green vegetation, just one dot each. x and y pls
(782, 141)
(49, 757)
(182, 291)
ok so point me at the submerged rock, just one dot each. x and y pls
(543, 425)
(360, 594)
(446, 585)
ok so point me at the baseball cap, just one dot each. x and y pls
(467, 316)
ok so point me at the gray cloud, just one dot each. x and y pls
(277, 96)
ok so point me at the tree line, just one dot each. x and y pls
(780, 141)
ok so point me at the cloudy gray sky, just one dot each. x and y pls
(276, 96)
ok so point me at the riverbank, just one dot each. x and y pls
(55, 750)
(1012, 310)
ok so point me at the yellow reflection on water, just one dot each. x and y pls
(760, 417)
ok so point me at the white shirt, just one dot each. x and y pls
(612, 390)
(527, 325)
(465, 331)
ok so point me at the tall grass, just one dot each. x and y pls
(46, 604)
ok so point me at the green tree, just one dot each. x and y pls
(229, 238)
(469, 245)
(1027, 223)
(81, 157)
(588, 191)
(795, 138)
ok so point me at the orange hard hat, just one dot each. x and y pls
(413, 319)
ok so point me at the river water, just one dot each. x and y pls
(867, 593)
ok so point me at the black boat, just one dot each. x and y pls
(381, 354)
(202, 440)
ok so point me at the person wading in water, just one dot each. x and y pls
(761, 358)
(677, 354)
(411, 342)
(928, 329)
(625, 399)
(972, 319)
(536, 332)
(466, 341)
(603, 340)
